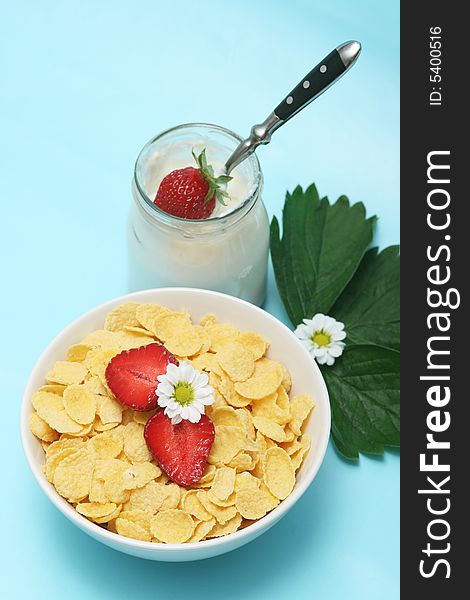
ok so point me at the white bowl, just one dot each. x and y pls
(285, 347)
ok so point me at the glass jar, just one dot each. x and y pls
(227, 252)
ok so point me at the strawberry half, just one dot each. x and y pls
(182, 449)
(132, 375)
(191, 193)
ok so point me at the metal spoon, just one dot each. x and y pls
(320, 78)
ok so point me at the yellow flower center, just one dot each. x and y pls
(184, 393)
(321, 338)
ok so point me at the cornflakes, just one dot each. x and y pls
(237, 361)
(95, 451)
(261, 385)
(80, 404)
(172, 526)
(122, 316)
(279, 474)
(67, 373)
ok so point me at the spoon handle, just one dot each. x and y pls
(318, 80)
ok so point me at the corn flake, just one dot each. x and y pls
(41, 429)
(53, 388)
(279, 474)
(230, 501)
(291, 447)
(138, 475)
(207, 362)
(228, 442)
(140, 517)
(172, 496)
(97, 492)
(172, 526)
(185, 341)
(208, 475)
(300, 408)
(269, 429)
(252, 502)
(67, 373)
(108, 444)
(208, 320)
(53, 461)
(228, 527)
(61, 444)
(243, 461)
(202, 529)
(128, 340)
(192, 505)
(108, 409)
(236, 361)
(260, 385)
(80, 404)
(269, 408)
(110, 517)
(51, 409)
(220, 334)
(298, 457)
(93, 384)
(166, 324)
(142, 416)
(246, 419)
(102, 339)
(95, 510)
(147, 315)
(135, 446)
(73, 475)
(226, 415)
(132, 529)
(224, 482)
(254, 342)
(97, 360)
(78, 352)
(149, 498)
(222, 514)
(228, 390)
(122, 316)
(99, 427)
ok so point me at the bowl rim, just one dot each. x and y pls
(112, 538)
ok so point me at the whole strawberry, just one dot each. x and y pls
(191, 193)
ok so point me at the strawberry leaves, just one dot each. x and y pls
(321, 265)
(320, 250)
(370, 304)
(364, 388)
(216, 184)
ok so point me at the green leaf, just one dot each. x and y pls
(320, 250)
(224, 178)
(370, 304)
(364, 388)
(216, 184)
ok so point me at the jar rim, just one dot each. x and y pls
(158, 212)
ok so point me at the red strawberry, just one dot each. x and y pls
(132, 375)
(181, 449)
(191, 193)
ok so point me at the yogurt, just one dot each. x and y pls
(227, 252)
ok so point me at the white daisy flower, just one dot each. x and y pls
(184, 392)
(322, 337)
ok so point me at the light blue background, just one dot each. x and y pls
(84, 85)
